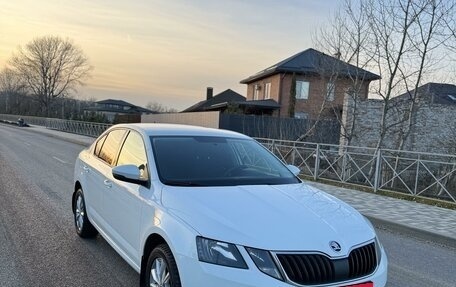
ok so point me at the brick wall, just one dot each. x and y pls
(275, 84)
(433, 129)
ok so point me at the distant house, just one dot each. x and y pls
(318, 77)
(230, 101)
(118, 111)
(433, 93)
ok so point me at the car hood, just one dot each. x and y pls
(293, 217)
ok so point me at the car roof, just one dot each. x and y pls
(153, 129)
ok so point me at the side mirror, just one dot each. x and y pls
(128, 173)
(294, 169)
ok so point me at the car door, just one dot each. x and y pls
(101, 168)
(92, 194)
(123, 202)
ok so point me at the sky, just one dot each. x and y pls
(167, 51)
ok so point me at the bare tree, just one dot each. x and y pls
(292, 97)
(404, 41)
(12, 89)
(347, 37)
(429, 34)
(390, 22)
(52, 68)
(159, 108)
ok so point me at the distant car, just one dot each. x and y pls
(197, 207)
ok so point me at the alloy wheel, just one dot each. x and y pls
(159, 274)
(79, 212)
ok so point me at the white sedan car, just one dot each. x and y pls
(197, 207)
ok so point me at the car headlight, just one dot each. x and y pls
(378, 245)
(378, 249)
(263, 260)
(220, 253)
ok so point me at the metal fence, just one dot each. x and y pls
(76, 127)
(420, 174)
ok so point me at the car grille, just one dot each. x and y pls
(314, 269)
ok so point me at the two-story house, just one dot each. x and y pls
(320, 81)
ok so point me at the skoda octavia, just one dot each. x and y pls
(198, 207)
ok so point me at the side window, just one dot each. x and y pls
(111, 145)
(267, 91)
(134, 152)
(98, 145)
(302, 90)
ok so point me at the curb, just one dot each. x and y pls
(425, 235)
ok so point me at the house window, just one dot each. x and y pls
(330, 89)
(302, 90)
(267, 91)
(256, 92)
(300, 115)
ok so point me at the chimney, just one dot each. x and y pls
(209, 93)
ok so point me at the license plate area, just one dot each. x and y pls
(367, 284)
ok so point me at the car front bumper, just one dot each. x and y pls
(194, 273)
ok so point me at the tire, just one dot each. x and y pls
(82, 224)
(161, 258)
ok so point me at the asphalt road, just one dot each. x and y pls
(38, 245)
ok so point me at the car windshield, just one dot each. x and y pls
(217, 161)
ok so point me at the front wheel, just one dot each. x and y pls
(83, 226)
(161, 268)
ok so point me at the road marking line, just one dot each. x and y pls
(58, 159)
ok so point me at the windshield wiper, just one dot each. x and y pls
(182, 183)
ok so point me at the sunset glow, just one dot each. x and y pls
(166, 51)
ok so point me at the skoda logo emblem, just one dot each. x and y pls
(335, 246)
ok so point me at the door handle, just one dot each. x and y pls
(107, 183)
(86, 168)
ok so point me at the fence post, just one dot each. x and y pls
(418, 162)
(317, 162)
(293, 156)
(377, 170)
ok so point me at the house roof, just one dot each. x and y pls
(441, 93)
(271, 104)
(260, 104)
(101, 107)
(312, 61)
(115, 102)
(223, 97)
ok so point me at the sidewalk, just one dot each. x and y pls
(439, 224)
(435, 221)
